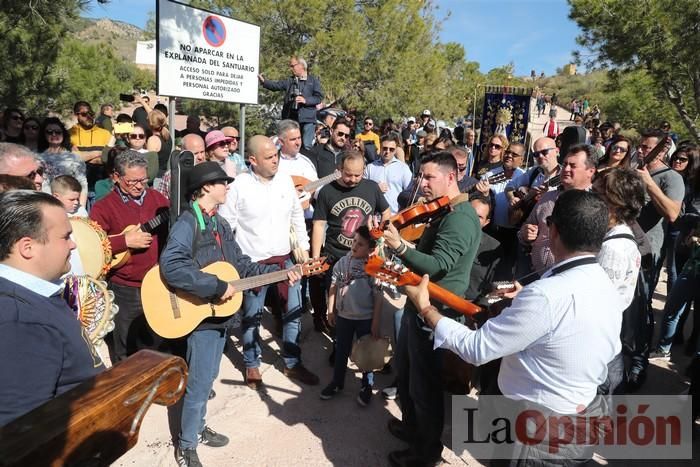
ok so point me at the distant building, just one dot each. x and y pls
(570, 69)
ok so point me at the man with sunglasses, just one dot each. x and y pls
(13, 121)
(325, 157)
(131, 203)
(21, 162)
(392, 175)
(368, 133)
(89, 140)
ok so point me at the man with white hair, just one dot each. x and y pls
(302, 94)
(19, 161)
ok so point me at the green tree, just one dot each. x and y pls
(660, 37)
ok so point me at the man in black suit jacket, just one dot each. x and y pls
(302, 94)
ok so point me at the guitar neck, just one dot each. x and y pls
(259, 281)
(151, 225)
(552, 182)
(312, 186)
(444, 296)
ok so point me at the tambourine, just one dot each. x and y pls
(93, 246)
(93, 305)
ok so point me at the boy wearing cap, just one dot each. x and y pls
(217, 145)
(201, 237)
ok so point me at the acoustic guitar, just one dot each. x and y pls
(388, 273)
(521, 209)
(306, 187)
(120, 259)
(174, 313)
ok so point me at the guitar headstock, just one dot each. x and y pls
(314, 266)
(498, 178)
(388, 273)
(662, 147)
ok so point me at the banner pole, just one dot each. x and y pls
(241, 131)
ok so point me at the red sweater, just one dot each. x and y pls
(114, 216)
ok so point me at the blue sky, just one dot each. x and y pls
(534, 34)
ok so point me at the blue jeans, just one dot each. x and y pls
(308, 133)
(684, 290)
(252, 309)
(204, 351)
(671, 272)
(345, 329)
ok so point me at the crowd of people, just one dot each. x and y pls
(586, 225)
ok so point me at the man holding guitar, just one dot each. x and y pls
(201, 237)
(131, 203)
(576, 173)
(446, 251)
(542, 335)
(261, 207)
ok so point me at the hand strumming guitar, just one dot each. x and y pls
(138, 239)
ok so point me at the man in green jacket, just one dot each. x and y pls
(446, 253)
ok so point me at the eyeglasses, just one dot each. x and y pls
(495, 146)
(618, 149)
(341, 134)
(461, 167)
(137, 136)
(53, 132)
(292, 65)
(32, 175)
(221, 144)
(85, 114)
(131, 183)
(679, 159)
(17, 117)
(369, 123)
(543, 152)
(237, 138)
(388, 148)
(511, 153)
(32, 127)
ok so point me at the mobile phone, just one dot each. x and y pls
(126, 97)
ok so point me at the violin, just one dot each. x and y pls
(416, 214)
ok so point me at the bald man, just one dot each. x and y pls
(262, 207)
(190, 142)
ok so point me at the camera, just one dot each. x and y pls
(294, 92)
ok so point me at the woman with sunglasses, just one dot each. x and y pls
(136, 140)
(12, 120)
(494, 155)
(617, 154)
(217, 145)
(58, 158)
(30, 131)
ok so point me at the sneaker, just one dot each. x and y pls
(365, 396)
(301, 374)
(187, 458)
(389, 393)
(330, 391)
(211, 438)
(660, 354)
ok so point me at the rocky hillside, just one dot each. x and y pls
(121, 36)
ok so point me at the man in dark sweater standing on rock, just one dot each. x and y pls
(446, 251)
(45, 350)
(131, 204)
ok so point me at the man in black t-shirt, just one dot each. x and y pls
(341, 207)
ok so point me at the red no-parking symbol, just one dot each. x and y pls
(214, 31)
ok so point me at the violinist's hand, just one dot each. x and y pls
(392, 238)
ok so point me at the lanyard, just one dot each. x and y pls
(572, 264)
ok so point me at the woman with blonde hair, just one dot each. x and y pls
(492, 154)
(160, 140)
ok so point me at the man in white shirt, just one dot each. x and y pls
(552, 322)
(292, 162)
(392, 175)
(261, 207)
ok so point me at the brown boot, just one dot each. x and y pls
(253, 378)
(301, 374)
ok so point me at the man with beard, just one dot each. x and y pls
(341, 207)
(446, 252)
(325, 157)
(47, 352)
(90, 140)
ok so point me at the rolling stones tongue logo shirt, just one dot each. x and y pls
(344, 210)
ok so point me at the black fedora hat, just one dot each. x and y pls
(206, 172)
